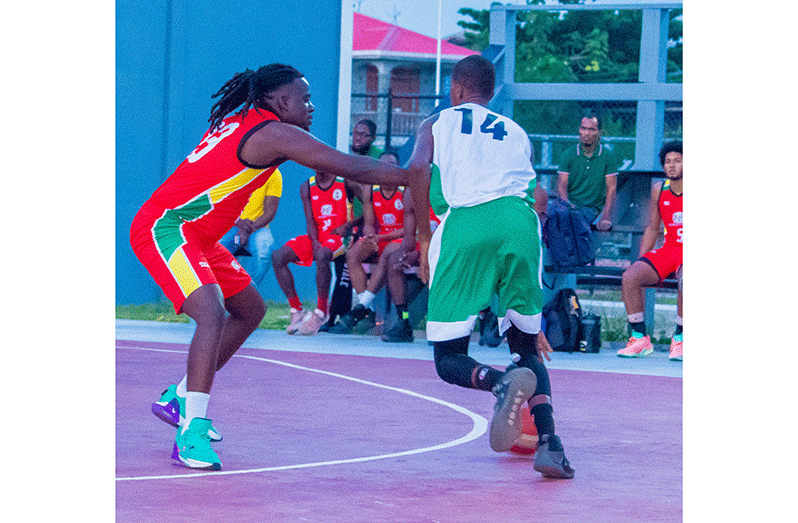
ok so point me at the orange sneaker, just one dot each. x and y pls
(310, 325)
(676, 350)
(296, 318)
(637, 348)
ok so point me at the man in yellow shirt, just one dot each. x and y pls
(251, 239)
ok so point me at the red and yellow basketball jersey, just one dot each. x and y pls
(330, 206)
(209, 189)
(388, 213)
(670, 211)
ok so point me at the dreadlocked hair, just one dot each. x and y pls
(248, 88)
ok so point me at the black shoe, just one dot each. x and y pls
(550, 458)
(368, 322)
(401, 332)
(347, 322)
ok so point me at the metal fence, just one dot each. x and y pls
(397, 115)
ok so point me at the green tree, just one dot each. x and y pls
(585, 46)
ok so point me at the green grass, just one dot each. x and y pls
(613, 321)
(277, 314)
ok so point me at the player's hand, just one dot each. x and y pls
(543, 346)
(423, 261)
(245, 225)
(341, 230)
(604, 225)
(242, 238)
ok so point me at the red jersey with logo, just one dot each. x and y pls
(175, 234)
(388, 212)
(668, 258)
(207, 192)
(670, 210)
(330, 206)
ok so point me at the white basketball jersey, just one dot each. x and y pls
(482, 156)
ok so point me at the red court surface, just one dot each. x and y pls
(346, 438)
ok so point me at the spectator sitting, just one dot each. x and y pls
(329, 222)
(251, 236)
(588, 175)
(383, 217)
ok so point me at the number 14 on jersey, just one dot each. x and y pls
(489, 126)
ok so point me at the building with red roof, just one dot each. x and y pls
(386, 57)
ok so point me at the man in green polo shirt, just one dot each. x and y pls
(587, 176)
(363, 136)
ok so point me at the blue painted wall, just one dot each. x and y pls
(171, 56)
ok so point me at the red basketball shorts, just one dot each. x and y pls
(180, 266)
(303, 247)
(665, 260)
(382, 245)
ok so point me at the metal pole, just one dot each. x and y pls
(388, 119)
(438, 57)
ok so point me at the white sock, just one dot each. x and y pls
(196, 407)
(365, 298)
(181, 387)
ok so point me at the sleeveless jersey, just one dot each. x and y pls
(330, 206)
(209, 189)
(388, 213)
(670, 210)
(482, 156)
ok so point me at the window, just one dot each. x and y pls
(404, 81)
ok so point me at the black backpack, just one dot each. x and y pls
(563, 318)
(567, 234)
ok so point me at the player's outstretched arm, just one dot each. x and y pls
(279, 141)
(420, 171)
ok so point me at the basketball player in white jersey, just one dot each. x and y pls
(487, 243)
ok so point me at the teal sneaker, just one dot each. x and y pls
(170, 408)
(193, 446)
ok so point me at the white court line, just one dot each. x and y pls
(479, 428)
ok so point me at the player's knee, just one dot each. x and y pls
(322, 256)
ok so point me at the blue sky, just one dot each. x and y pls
(422, 17)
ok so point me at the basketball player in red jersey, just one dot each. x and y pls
(383, 228)
(175, 234)
(328, 214)
(656, 264)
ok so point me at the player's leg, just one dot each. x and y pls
(358, 254)
(323, 258)
(459, 252)
(245, 310)
(519, 310)
(395, 266)
(261, 242)
(676, 349)
(635, 279)
(296, 250)
(355, 256)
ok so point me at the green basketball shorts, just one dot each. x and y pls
(478, 252)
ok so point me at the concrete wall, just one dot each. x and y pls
(171, 56)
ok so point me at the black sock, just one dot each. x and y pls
(485, 377)
(544, 421)
(401, 311)
(639, 327)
